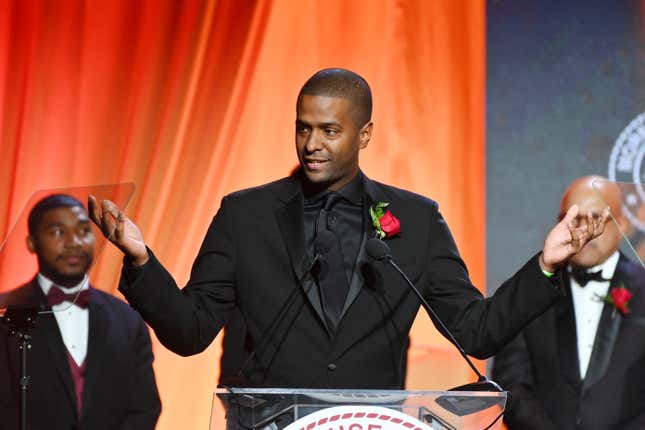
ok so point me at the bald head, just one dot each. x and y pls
(592, 194)
(589, 191)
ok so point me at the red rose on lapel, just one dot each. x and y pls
(620, 298)
(390, 224)
(385, 224)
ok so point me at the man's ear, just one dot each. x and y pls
(31, 244)
(365, 134)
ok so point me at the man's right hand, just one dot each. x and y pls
(119, 229)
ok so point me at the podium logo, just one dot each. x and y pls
(626, 165)
(358, 418)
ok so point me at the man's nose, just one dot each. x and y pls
(73, 240)
(314, 143)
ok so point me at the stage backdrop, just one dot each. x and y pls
(192, 100)
(565, 98)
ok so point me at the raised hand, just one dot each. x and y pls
(567, 238)
(118, 229)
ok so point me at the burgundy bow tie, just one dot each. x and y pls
(56, 296)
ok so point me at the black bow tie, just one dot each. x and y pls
(582, 276)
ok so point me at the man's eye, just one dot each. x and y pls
(302, 129)
(331, 132)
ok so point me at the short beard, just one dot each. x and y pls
(62, 279)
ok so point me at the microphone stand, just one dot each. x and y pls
(20, 322)
(483, 383)
(380, 251)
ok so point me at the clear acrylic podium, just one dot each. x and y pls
(322, 409)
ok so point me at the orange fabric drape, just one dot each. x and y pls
(191, 100)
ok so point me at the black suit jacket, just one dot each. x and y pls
(540, 367)
(119, 389)
(253, 258)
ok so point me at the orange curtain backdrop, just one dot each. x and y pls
(194, 99)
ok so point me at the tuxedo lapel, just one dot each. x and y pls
(606, 335)
(565, 326)
(357, 276)
(370, 196)
(97, 335)
(603, 346)
(290, 219)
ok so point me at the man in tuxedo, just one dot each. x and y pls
(581, 365)
(291, 257)
(235, 352)
(90, 364)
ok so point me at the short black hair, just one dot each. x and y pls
(342, 83)
(48, 203)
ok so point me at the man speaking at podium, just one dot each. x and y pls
(290, 255)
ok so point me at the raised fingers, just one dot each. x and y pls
(579, 236)
(109, 215)
(599, 228)
(120, 226)
(94, 211)
(571, 214)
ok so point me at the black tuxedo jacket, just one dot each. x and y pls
(540, 367)
(253, 258)
(119, 389)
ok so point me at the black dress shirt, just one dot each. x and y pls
(346, 219)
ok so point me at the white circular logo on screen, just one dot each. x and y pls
(358, 418)
(626, 165)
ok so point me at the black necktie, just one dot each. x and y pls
(582, 276)
(331, 277)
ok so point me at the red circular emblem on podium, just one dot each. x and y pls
(358, 418)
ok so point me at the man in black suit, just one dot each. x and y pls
(290, 255)
(581, 365)
(235, 351)
(90, 364)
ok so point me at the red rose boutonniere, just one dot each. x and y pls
(620, 298)
(386, 224)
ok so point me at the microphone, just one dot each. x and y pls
(379, 250)
(280, 315)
